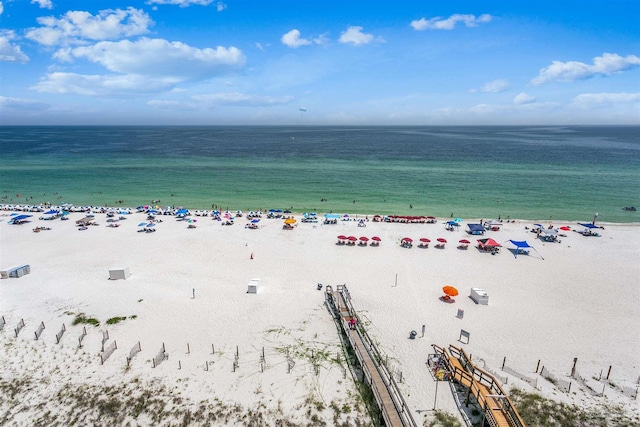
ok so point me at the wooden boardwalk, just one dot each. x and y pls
(376, 374)
(499, 410)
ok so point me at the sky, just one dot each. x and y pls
(257, 62)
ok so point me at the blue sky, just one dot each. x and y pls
(257, 62)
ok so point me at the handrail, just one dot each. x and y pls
(341, 303)
(505, 405)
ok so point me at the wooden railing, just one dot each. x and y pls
(340, 303)
(484, 387)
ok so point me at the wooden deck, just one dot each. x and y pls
(482, 393)
(392, 406)
(499, 410)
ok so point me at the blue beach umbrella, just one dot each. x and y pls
(254, 221)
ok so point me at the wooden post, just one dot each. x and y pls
(188, 349)
(504, 360)
(573, 369)
(538, 365)
(179, 365)
(609, 372)
(213, 349)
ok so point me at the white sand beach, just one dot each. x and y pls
(575, 299)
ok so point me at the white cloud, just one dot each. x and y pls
(523, 98)
(1, 8)
(242, 99)
(101, 85)
(356, 36)
(590, 99)
(77, 27)
(8, 51)
(220, 6)
(143, 66)
(293, 39)
(21, 104)
(158, 57)
(494, 86)
(182, 3)
(170, 105)
(322, 39)
(449, 23)
(605, 65)
(44, 4)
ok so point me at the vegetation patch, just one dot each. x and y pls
(537, 410)
(115, 320)
(81, 319)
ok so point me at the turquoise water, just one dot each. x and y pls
(564, 173)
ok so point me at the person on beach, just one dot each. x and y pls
(352, 323)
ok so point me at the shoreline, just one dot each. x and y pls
(39, 209)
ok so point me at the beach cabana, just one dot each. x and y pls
(19, 219)
(341, 239)
(588, 229)
(489, 245)
(375, 241)
(493, 225)
(522, 247)
(549, 235)
(363, 241)
(424, 242)
(441, 242)
(450, 225)
(476, 229)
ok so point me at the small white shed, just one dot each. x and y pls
(254, 286)
(119, 273)
(479, 296)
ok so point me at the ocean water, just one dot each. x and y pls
(558, 173)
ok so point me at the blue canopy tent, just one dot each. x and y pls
(588, 225)
(589, 229)
(476, 229)
(450, 225)
(19, 219)
(522, 246)
(331, 216)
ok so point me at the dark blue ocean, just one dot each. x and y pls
(567, 172)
